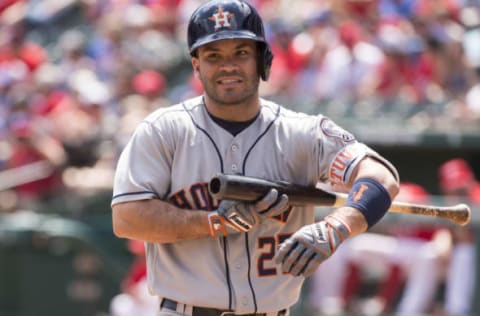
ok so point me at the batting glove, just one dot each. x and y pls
(239, 216)
(272, 205)
(305, 250)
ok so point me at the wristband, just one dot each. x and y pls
(216, 224)
(370, 198)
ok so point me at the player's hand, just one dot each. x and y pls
(306, 249)
(272, 204)
(232, 216)
(240, 216)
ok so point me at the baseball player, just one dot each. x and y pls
(209, 257)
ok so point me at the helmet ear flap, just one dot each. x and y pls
(265, 62)
(265, 58)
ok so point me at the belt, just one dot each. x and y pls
(205, 311)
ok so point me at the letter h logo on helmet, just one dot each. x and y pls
(221, 19)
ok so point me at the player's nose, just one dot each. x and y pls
(228, 64)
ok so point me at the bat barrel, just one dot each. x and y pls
(243, 188)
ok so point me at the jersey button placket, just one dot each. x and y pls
(235, 155)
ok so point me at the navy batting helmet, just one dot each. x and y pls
(229, 19)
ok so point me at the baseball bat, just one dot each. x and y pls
(243, 188)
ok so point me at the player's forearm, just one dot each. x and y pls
(352, 218)
(369, 168)
(157, 221)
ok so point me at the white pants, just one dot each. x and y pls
(461, 278)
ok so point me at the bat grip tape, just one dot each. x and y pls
(371, 198)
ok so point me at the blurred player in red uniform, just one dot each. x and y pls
(27, 148)
(405, 260)
(458, 184)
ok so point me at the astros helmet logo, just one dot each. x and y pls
(221, 19)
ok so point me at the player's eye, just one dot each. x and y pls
(243, 53)
(212, 56)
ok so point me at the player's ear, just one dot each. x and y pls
(196, 66)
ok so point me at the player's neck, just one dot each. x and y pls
(240, 112)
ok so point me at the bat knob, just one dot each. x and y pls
(463, 209)
(215, 185)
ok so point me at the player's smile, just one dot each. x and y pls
(229, 81)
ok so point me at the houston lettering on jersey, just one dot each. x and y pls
(283, 218)
(197, 197)
(345, 162)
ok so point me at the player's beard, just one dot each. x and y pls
(231, 96)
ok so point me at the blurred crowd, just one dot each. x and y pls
(77, 76)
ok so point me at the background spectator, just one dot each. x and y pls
(458, 183)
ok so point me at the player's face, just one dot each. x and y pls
(228, 71)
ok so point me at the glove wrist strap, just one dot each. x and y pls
(216, 225)
(341, 228)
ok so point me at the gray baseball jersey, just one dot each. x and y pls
(176, 151)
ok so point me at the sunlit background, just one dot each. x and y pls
(77, 76)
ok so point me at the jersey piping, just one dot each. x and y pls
(252, 290)
(206, 134)
(258, 139)
(254, 296)
(225, 241)
(134, 193)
